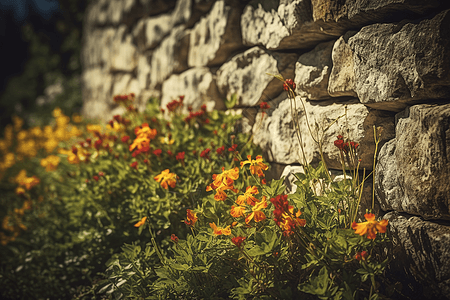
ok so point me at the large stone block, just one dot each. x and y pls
(420, 250)
(336, 17)
(312, 71)
(96, 92)
(216, 36)
(413, 169)
(342, 76)
(246, 75)
(277, 135)
(149, 32)
(281, 25)
(197, 85)
(170, 57)
(400, 64)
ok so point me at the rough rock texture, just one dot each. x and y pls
(246, 75)
(277, 135)
(336, 17)
(413, 169)
(198, 86)
(149, 32)
(342, 76)
(312, 71)
(216, 36)
(396, 64)
(288, 25)
(420, 248)
(170, 57)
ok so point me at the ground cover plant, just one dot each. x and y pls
(166, 205)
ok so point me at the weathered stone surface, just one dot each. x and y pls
(278, 138)
(96, 92)
(287, 25)
(197, 85)
(155, 29)
(143, 71)
(420, 249)
(342, 77)
(216, 36)
(246, 75)
(336, 17)
(413, 169)
(111, 49)
(312, 70)
(170, 57)
(397, 64)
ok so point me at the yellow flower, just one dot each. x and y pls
(50, 162)
(237, 211)
(62, 121)
(166, 140)
(93, 128)
(220, 230)
(21, 135)
(50, 144)
(227, 178)
(248, 196)
(9, 160)
(21, 176)
(166, 179)
(256, 166)
(20, 190)
(141, 222)
(191, 218)
(371, 227)
(27, 148)
(57, 112)
(76, 118)
(18, 122)
(36, 131)
(257, 214)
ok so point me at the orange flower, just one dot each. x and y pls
(141, 222)
(247, 197)
(226, 178)
(237, 211)
(220, 230)
(371, 227)
(143, 136)
(257, 214)
(167, 179)
(191, 217)
(256, 166)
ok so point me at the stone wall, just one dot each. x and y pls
(384, 63)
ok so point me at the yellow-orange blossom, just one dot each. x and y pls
(371, 227)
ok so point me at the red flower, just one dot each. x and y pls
(220, 150)
(95, 178)
(264, 105)
(174, 238)
(361, 255)
(238, 240)
(98, 144)
(169, 152)
(205, 153)
(125, 138)
(134, 165)
(157, 152)
(233, 148)
(180, 156)
(339, 144)
(289, 84)
(354, 145)
(101, 174)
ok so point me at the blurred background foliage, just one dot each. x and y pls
(40, 59)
